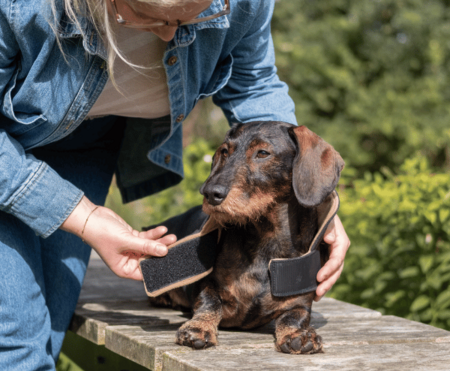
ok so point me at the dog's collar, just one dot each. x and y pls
(192, 257)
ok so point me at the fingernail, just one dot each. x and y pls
(161, 250)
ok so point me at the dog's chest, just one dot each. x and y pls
(242, 280)
(240, 296)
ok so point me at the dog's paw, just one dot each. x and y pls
(197, 335)
(299, 341)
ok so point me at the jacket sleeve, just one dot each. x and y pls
(29, 188)
(254, 91)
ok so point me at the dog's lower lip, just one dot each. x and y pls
(215, 210)
(211, 209)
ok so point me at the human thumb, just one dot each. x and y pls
(330, 234)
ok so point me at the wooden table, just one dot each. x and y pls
(114, 315)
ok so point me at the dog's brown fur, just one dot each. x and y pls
(266, 180)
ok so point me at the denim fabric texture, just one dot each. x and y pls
(41, 278)
(44, 95)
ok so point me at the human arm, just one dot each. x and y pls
(117, 243)
(254, 91)
(34, 193)
(29, 189)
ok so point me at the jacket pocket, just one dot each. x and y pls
(19, 122)
(219, 79)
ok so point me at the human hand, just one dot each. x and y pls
(119, 245)
(339, 243)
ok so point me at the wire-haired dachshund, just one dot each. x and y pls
(267, 180)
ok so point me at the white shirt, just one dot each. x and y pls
(143, 92)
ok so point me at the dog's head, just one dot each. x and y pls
(263, 163)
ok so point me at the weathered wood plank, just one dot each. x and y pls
(147, 344)
(100, 284)
(143, 345)
(328, 308)
(387, 329)
(382, 357)
(116, 312)
(91, 325)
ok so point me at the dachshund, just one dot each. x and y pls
(267, 180)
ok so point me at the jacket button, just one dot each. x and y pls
(172, 60)
(167, 159)
(180, 118)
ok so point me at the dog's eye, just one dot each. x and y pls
(224, 152)
(262, 154)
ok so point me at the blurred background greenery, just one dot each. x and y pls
(372, 78)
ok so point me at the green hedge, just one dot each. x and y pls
(399, 226)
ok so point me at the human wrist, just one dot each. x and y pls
(76, 221)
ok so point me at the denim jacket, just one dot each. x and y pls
(45, 95)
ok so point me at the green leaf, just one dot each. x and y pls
(426, 315)
(368, 293)
(419, 303)
(443, 215)
(386, 276)
(434, 281)
(431, 216)
(379, 286)
(409, 272)
(443, 299)
(426, 262)
(393, 297)
(444, 314)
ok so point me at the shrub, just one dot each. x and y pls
(399, 260)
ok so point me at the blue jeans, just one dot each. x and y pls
(40, 279)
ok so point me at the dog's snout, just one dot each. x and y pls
(215, 193)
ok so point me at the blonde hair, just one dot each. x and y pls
(96, 12)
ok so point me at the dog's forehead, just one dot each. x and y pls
(274, 133)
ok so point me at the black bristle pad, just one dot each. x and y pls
(189, 259)
(294, 276)
(297, 276)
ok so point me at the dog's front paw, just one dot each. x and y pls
(197, 334)
(299, 341)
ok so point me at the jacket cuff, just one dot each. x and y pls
(45, 201)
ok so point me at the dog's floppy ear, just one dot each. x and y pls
(316, 169)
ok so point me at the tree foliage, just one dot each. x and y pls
(371, 77)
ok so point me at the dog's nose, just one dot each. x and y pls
(215, 194)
